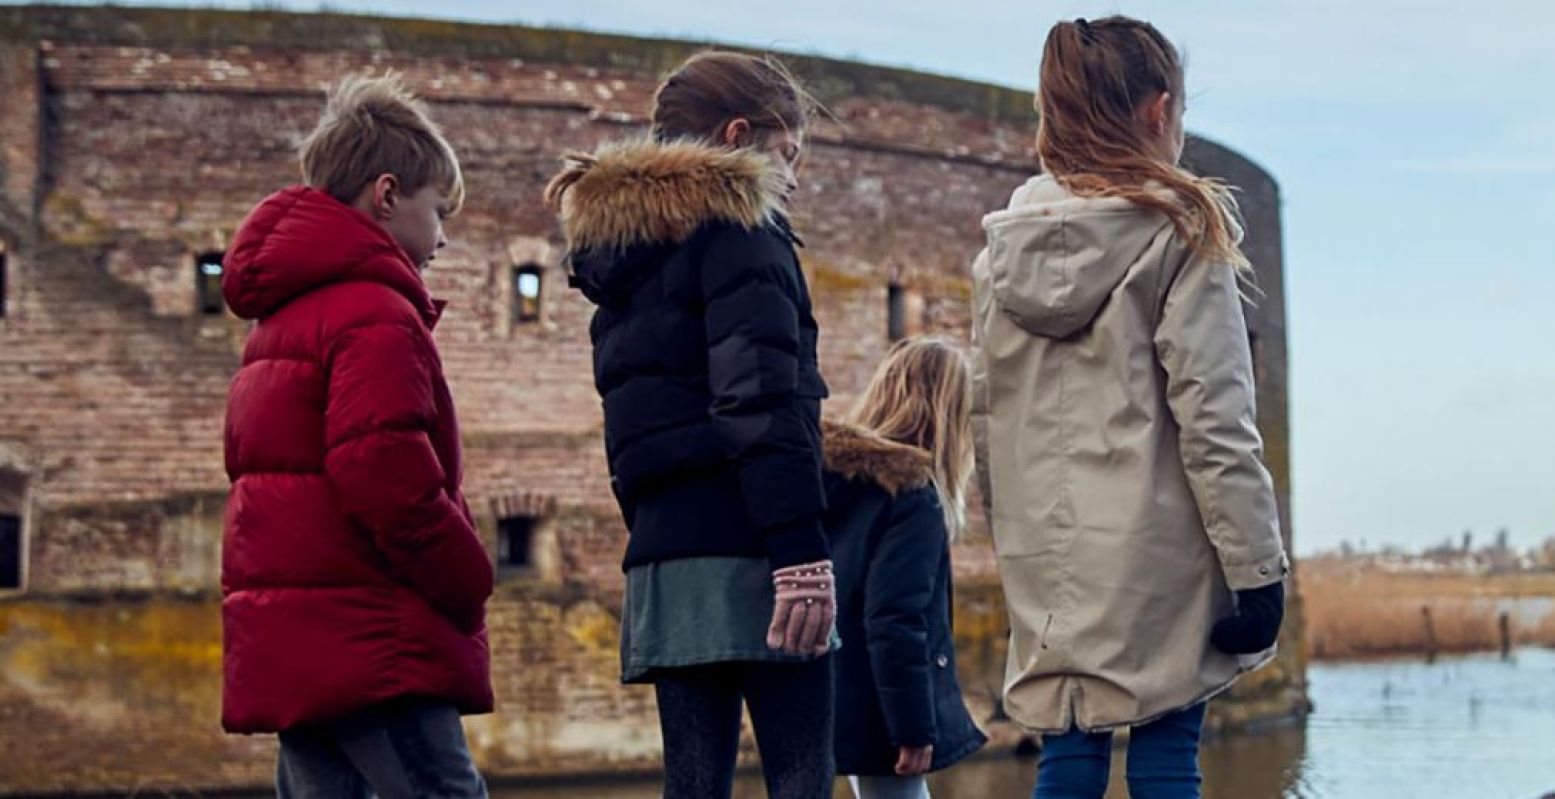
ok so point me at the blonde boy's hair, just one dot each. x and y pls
(374, 125)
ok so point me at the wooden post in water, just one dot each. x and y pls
(1506, 634)
(1430, 634)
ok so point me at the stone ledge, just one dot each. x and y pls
(207, 28)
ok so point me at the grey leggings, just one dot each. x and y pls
(890, 787)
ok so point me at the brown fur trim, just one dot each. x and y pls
(856, 453)
(644, 192)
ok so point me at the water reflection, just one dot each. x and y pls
(1265, 764)
(1278, 755)
(1474, 727)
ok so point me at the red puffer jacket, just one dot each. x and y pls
(351, 569)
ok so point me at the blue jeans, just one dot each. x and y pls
(403, 749)
(1163, 760)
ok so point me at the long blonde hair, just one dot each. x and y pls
(921, 395)
(1095, 75)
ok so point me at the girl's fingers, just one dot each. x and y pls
(795, 628)
(778, 629)
(828, 615)
(810, 634)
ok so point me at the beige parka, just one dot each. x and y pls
(1114, 417)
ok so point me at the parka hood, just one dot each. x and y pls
(629, 200)
(1056, 257)
(859, 454)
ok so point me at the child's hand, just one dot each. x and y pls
(1256, 625)
(804, 607)
(913, 760)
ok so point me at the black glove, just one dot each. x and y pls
(1256, 625)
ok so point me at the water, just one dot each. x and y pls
(1465, 728)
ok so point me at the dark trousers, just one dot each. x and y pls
(1163, 760)
(791, 710)
(404, 749)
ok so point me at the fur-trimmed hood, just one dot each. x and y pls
(859, 454)
(644, 192)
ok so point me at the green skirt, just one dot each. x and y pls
(695, 611)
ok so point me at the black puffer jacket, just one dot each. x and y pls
(896, 672)
(704, 351)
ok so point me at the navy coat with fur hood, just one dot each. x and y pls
(704, 350)
(895, 675)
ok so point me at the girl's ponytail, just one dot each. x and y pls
(1095, 75)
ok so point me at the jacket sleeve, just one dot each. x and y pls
(380, 460)
(1202, 345)
(898, 597)
(753, 341)
(980, 407)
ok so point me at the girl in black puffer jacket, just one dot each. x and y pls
(896, 474)
(704, 357)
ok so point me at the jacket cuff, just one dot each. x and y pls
(1259, 573)
(909, 716)
(794, 542)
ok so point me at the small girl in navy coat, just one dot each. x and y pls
(896, 474)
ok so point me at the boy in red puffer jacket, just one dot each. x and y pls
(354, 582)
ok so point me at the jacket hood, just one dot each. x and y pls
(300, 239)
(631, 198)
(1055, 257)
(859, 454)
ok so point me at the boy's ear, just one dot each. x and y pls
(386, 191)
